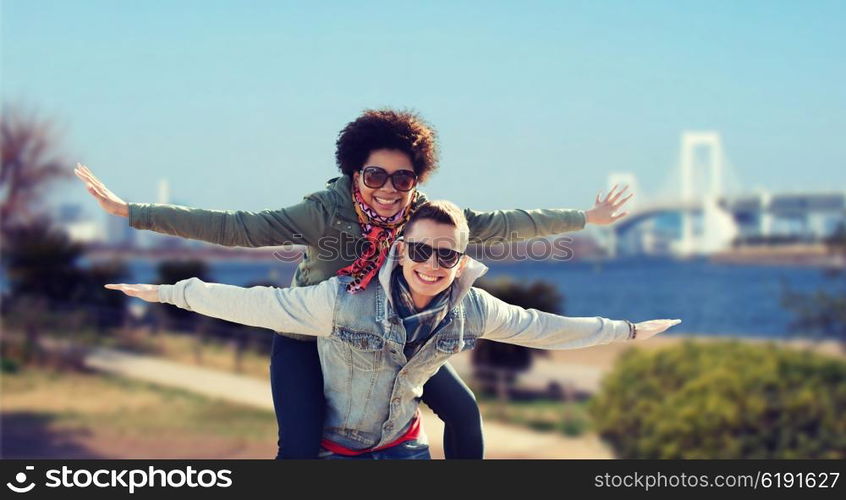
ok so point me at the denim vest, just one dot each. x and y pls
(371, 388)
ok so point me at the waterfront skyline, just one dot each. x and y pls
(535, 104)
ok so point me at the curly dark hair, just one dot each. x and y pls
(376, 129)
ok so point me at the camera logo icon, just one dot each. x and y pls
(20, 479)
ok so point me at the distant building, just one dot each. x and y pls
(85, 231)
(67, 213)
(71, 218)
(811, 216)
(119, 232)
(163, 192)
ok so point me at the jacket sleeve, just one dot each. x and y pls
(307, 310)
(516, 225)
(300, 224)
(511, 324)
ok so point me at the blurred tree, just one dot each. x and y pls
(174, 318)
(822, 314)
(723, 400)
(106, 308)
(50, 291)
(48, 288)
(30, 163)
(496, 364)
(171, 271)
(41, 260)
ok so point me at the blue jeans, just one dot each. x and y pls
(409, 450)
(297, 384)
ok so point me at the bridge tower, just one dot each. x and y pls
(692, 143)
(702, 164)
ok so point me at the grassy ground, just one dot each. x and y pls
(209, 426)
(570, 419)
(567, 418)
(72, 415)
(188, 349)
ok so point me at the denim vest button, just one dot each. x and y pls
(394, 320)
(389, 427)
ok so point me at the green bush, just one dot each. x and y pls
(724, 400)
(173, 271)
(8, 365)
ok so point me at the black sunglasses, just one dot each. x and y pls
(420, 252)
(376, 177)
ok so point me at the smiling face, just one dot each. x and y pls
(428, 279)
(386, 200)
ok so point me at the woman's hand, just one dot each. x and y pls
(603, 211)
(150, 293)
(107, 199)
(651, 328)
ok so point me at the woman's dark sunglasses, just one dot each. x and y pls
(376, 177)
(420, 252)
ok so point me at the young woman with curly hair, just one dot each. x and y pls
(347, 229)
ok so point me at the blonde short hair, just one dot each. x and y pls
(442, 212)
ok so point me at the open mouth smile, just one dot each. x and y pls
(388, 202)
(427, 278)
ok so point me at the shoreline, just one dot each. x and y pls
(813, 255)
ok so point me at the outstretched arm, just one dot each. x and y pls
(515, 225)
(532, 328)
(300, 224)
(307, 310)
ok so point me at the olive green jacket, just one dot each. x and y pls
(326, 223)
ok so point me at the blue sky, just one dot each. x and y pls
(535, 102)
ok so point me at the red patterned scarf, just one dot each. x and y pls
(380, 233)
